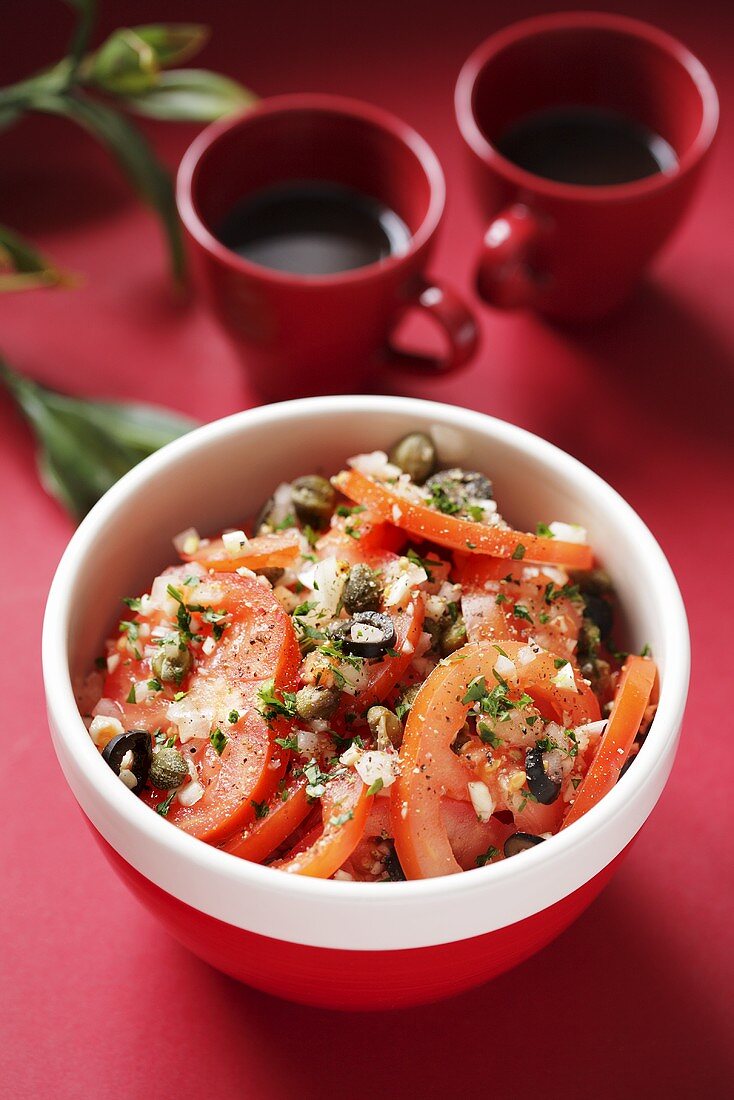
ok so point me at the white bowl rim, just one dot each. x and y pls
(511, 876)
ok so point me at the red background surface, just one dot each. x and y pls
(636, 999)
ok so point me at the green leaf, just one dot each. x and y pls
(23, 267)
(191, 95)
(134, 156)
(124, 64)
(86, 446)
(173, 43)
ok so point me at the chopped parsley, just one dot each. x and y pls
(133, 602)
(286, 522)
(376, 786)
(131, 628)
(274, 706)
(163, 807)
(131, 694)
(475, 512)
(442, 502)
(488, 735)
(521, 612)
(646, 650)
(179, 696)
(155, 685)
(349, 510)
(560, 662)
(290, 742)
(544, 531)
(422, 563)
(310, 535)
(233, 716)
(519, 552)
(219, 741)
(352, 530)
(487, 856)
(316, 780)
(261, 808)
(337, 820)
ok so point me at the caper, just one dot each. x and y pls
(415, 455)
(460, 486)
(172, 661)
(362, 590)
(453, 637)
(314, 702)
(168, 769)
(589, 638)
(408, 697)
(385, 727)
(313, 498)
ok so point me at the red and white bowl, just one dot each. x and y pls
(342, 944)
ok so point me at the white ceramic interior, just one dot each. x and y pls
(217, 476)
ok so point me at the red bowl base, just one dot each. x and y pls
(350, 980)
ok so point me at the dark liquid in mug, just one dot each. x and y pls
(585, 145)
(313, 228)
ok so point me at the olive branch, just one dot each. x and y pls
(132, 71)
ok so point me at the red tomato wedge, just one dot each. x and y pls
(632, 697)
(358, 537)
(429, 769)
(499, 600)
(283, 814)
(258, 644)
(263, 552)
(344, 806)
(459, 534)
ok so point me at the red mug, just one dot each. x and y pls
(572, 251)
(320, 333)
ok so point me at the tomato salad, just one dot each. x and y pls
(381, 680)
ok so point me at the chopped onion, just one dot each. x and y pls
(187, 542)
(234, 542)
(481, 799)
(505, 668)
(374, 764)
(191, 793)
(568, 532)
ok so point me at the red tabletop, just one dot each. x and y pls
(636, 998)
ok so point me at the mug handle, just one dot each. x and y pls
(445, 307)
(504, 277)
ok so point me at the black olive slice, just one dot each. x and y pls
(520, 842)
(374, 640)
(540, 784)
(138, 742)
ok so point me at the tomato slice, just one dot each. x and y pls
(357, 538)
(263, 552)
(258, 644)
(344, 806)
(632, 697)
(471, 839)
(459, 534)
(502, 599)
(283, 814)
(430, 771)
